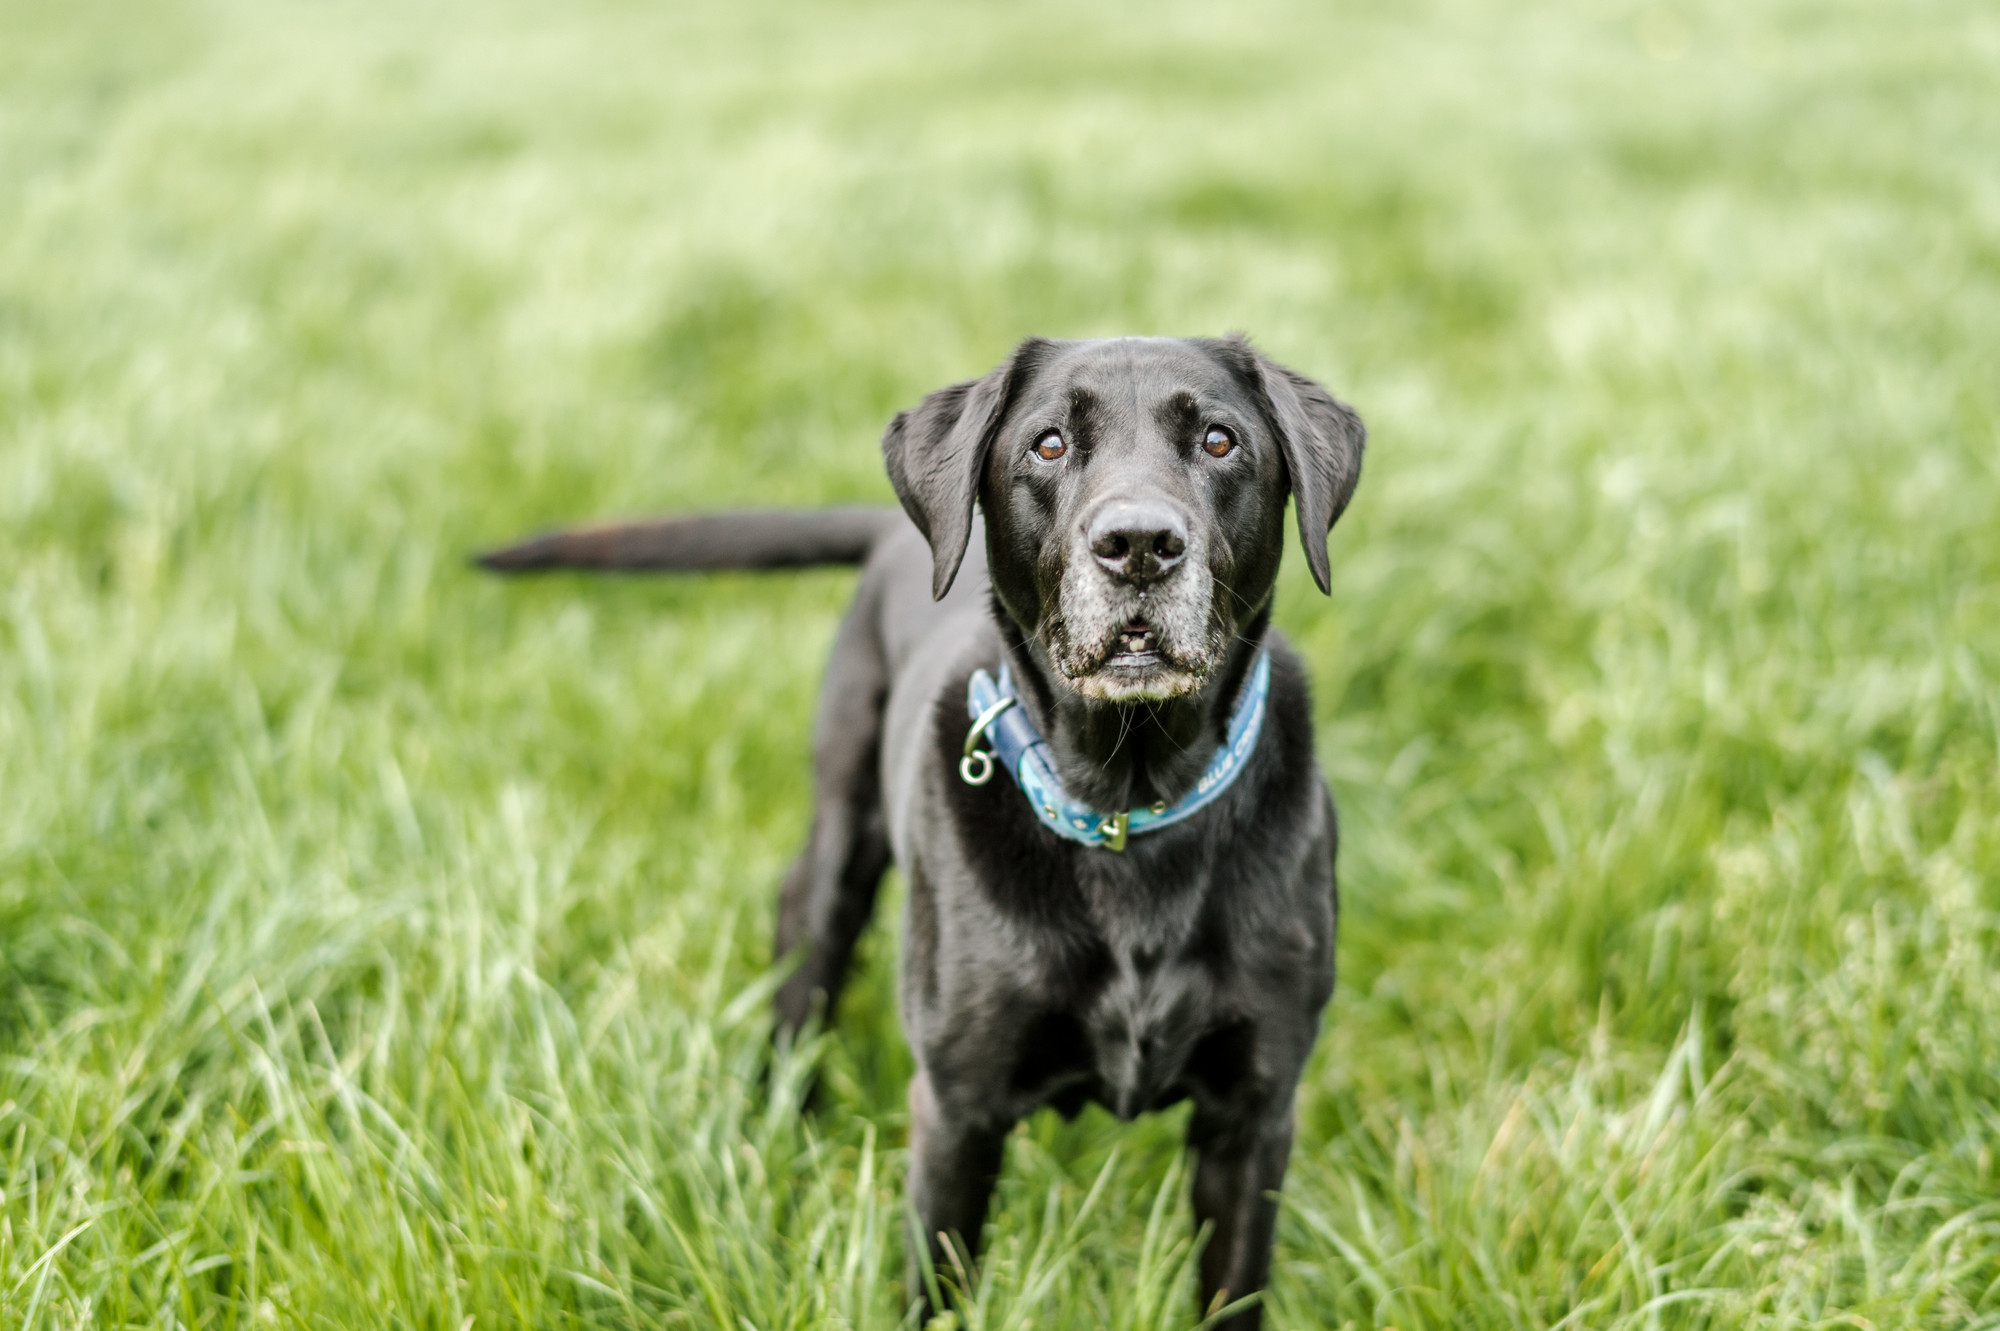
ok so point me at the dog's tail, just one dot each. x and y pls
(752, 538)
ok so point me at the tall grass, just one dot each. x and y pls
(381, 946)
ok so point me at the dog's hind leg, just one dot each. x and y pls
(830, 890)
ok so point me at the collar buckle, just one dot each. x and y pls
(1113, 830)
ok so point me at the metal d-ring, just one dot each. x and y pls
(975, 765)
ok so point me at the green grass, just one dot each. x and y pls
(383, 946)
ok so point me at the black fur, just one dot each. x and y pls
(776, 539)
(1036, 971)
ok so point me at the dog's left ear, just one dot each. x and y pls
(936, 451)
(1321, 439)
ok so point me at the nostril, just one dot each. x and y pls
(1137, 540)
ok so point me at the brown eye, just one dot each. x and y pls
(1218, 441)
(1050, 447)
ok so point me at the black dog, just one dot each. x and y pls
(1144, 912)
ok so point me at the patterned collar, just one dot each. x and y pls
(1020, 748)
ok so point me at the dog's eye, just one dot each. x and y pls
(1050, 447)
(1218, 441)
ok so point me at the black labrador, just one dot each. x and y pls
(1173, 942)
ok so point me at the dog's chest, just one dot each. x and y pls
(1142, 1026)
(1150, 1009)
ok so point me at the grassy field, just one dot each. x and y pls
(384, 946)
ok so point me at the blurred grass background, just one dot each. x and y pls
(381, 946)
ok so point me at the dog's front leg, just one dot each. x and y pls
(953, 1165)
(1239, 1168)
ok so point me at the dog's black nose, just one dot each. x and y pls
(1138, 540)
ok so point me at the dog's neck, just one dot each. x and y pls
(1115, 756)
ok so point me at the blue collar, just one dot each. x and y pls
(1020, 748)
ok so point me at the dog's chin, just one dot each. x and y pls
(1137, 677)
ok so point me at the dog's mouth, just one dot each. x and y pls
(1137, 663)
(1135, 648)
(1113, 642)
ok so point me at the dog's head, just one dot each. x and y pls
(1134, 492)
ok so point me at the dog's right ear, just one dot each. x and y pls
(936, 451)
